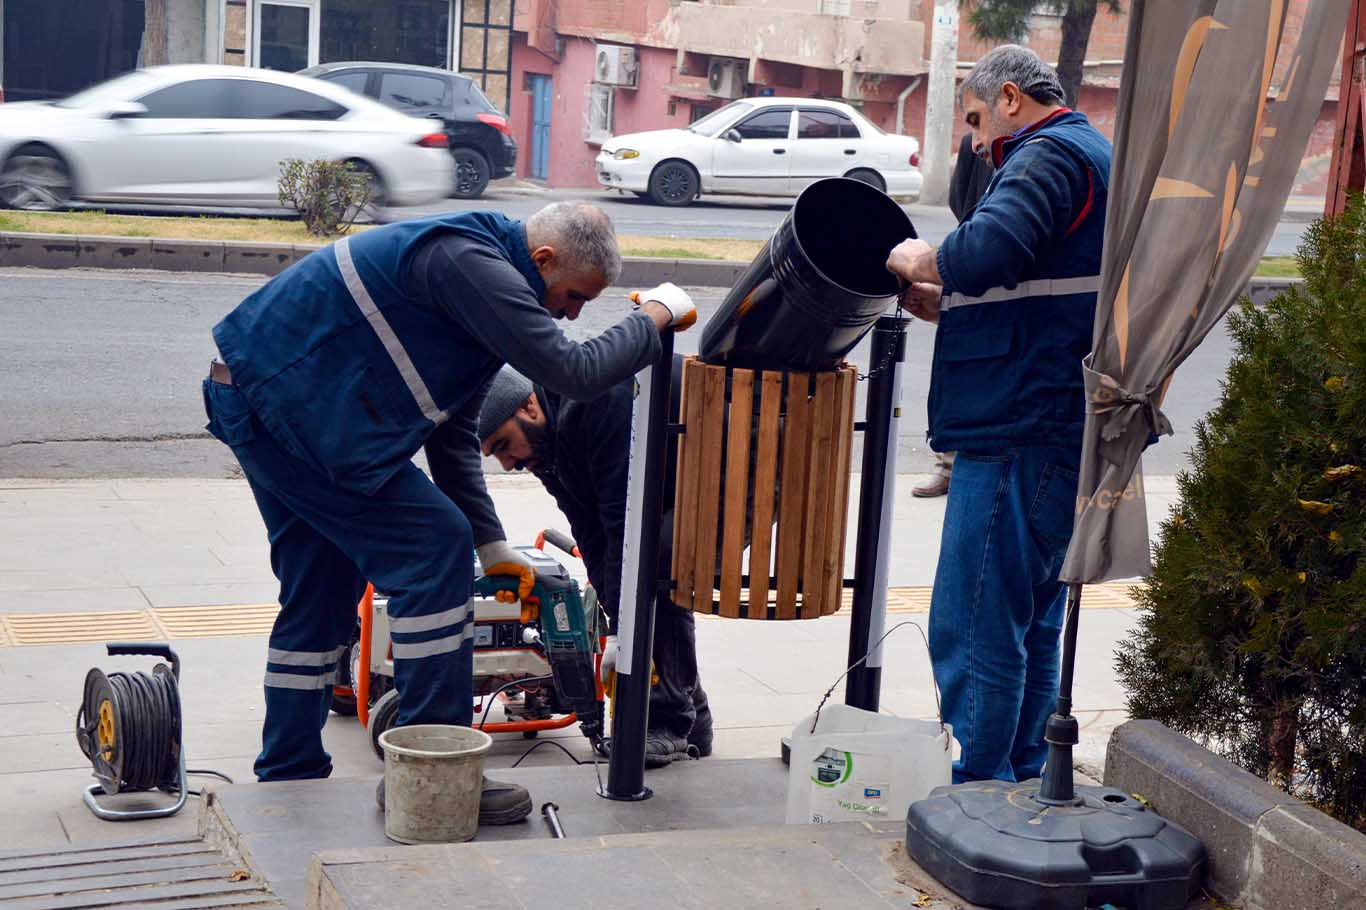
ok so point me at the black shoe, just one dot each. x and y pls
(700, 736)
(661, 748)
(499, 803)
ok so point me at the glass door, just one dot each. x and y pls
(286, 34)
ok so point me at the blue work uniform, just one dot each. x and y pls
(1020, 281)
(341, 368)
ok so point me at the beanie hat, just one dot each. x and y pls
(505, 395)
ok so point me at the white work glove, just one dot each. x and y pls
(682, 310)
(608, 670)
(497, 558)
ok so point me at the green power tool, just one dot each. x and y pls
(567, 637)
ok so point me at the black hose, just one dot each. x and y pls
(146, 710)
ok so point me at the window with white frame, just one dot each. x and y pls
(597, 113)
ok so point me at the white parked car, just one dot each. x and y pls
(209, 135)
(761, 147)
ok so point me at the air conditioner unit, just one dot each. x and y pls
(726, 78)
(615, 65)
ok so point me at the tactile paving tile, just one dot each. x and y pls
(214, 621)
(69, 628)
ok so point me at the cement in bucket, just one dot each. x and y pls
(433, 776)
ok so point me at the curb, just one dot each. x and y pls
(61, 251)
(1266, 850)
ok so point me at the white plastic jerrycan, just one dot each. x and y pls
(861, 766)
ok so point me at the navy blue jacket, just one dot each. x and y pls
(1020, 281)
(352, 368)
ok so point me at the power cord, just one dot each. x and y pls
(938, 708)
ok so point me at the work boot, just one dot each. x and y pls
(936, 486)
(661, 748)
(700, 736)
(499, 803)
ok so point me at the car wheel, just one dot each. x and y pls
(373, 209)
(872, 178)
(35, 178)
(673, 183)
(471, 173)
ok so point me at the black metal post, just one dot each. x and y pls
(640, 578)
(877, 494)
(1061, 731)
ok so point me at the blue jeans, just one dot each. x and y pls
(997, 611)
(325, 543)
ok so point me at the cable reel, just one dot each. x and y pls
(130, 728)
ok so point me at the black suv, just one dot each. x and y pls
(480, 139)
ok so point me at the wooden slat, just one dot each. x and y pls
(792, 495)
(839, 504)
(820, 467)
(685, 497)
(765, 477)
(709, 484)
(741, 423)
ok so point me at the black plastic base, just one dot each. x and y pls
(645, 793)
(996, 845)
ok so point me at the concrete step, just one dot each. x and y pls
(852, 866)
(175, 874)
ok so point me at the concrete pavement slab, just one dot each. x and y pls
(72, 600)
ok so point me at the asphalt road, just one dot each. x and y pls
(100, 374)
(737, 217)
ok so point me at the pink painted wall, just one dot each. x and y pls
(646, 107)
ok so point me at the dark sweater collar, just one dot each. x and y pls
(1002, 147)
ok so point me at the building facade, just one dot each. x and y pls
(51, 48)
(670, 61)
(569, 73)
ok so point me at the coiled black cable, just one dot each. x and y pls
(147, 721)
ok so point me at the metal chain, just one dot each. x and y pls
(901, 320)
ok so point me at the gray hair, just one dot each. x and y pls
(1012, 63)
(582, 235)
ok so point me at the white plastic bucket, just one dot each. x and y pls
(433, 777)
(860, 766)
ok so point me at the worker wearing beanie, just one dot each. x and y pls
(579, 451)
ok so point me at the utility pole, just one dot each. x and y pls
(154, 33)
(937, 145)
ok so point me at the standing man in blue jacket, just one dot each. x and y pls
(335, 373)
(1013, 291)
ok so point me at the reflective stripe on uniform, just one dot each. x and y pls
(1039, 287)
(397, 353)
(407, 625)
(305, 658)
(300, 680)
(419, 649)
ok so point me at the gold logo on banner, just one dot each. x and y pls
(1106, 500)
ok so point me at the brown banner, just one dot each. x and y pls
(1205, 153)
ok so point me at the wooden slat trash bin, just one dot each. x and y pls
(763, 454)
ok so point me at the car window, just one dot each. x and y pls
(711, 124)
(196, 99)
(769, 124)
(813, 124)
(474, 97)
(249, 100)
(116, 89)
(412, 92)
(238, 99)
(352, 79)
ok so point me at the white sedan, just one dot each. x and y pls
(209, 135)
(761, 147)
